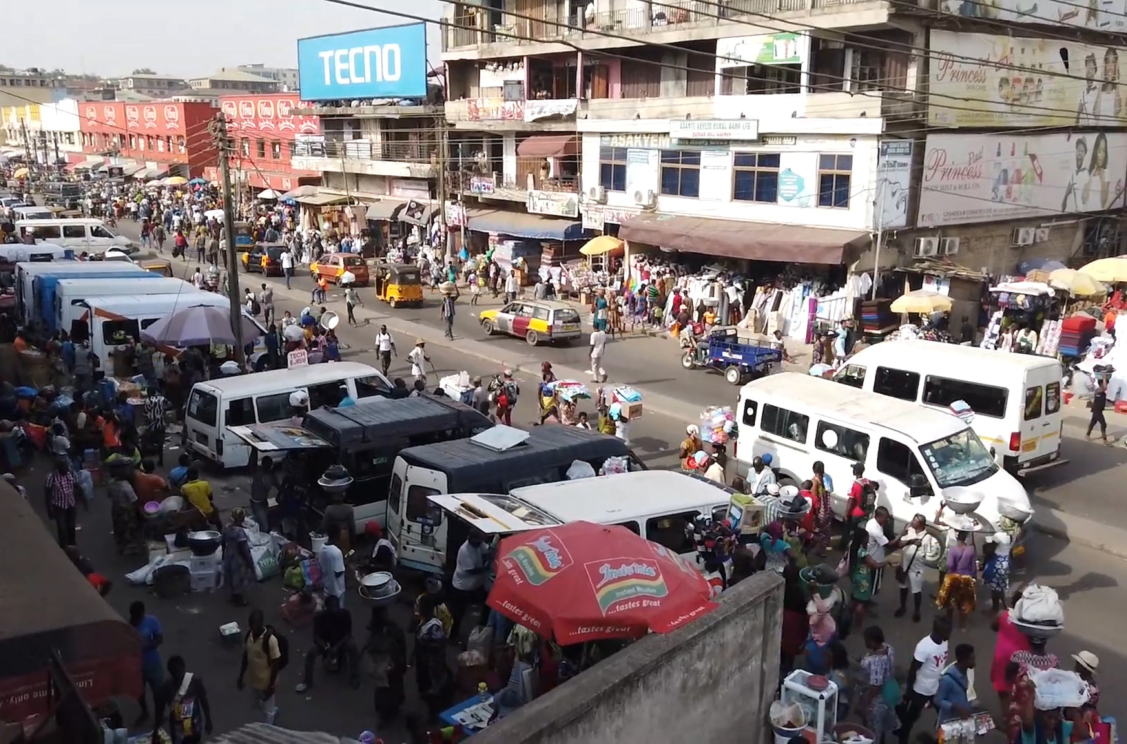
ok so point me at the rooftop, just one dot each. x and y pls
(235, 76)
(955, 356)
(615, 498)
(291, 379)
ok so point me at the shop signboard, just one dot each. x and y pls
(744, 130)
(894, 174)
(554, 203)
(456, 214)
(494, 109)
(483, 185)
(982, 80)
(596, 215)
(642, 171)
(1106, 15)
(763, 49)
(387, 62)
(715, 175)
(534, 110)
(593, 218)
(989, 177)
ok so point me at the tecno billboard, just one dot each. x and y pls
(981, 80)
(388, 62)
(989, 177)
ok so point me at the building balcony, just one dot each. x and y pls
(366, 112)
(649, 108)
(532, 115)
(821, 105)
(396, 159)
(509, 187)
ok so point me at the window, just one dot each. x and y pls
(834, 172)
(669, 531)
(244, 146)
(97, 231)
(852, 375)
(784, 423)
(393, 493)
(274, 407)
(180, 144)
(370, 387)
(74, 231)
(132, 142)
(540, 312)
(240, 412)
(750, 409)
(898, 461)
(756, 177)
(203, 407)
(984, 400)
(612, 168)
(959, 460)
(896, 383)
(632, 526)
(1052, 397)
(680, 173)
(276, 150)
(1033, 398)
(418, 508)
(117, 332)
(842, 441)
(260, 148)
(45, 232)
(326, 394)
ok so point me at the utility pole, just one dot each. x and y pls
(26, 142)
(219, 133)
(442, 154)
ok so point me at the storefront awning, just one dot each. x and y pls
(747, 240)
(384, 209)
(129, 169)
(418, 213)
(322, 200)
(524, 225)
(548, 146)
(90, 163)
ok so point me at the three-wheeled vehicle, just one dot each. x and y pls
(739, 356)
(398, 284)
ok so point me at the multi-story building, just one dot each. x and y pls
(18, 87)
(267, 134)
(156, 86)
(234, 81)
(284, 76)
(149, 140)
(20, 124)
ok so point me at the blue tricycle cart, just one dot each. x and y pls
(739, 357)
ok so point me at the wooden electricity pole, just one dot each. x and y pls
(219, 132)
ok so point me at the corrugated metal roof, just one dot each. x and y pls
(261, 733)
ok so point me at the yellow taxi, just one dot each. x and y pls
(536, 321)
(332, 266)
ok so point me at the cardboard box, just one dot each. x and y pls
(205, 581)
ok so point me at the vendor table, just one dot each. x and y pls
(450, 716)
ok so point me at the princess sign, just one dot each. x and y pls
(388, 62)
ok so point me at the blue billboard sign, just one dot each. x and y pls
(387, 62)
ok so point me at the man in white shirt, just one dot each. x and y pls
(512, 287)
(287, 265)
(197, 278)
(879, 544)
(385, 346)
(331, 560)
(928, 662)
(764, 477)
(418, 359)
(468, 581)
(598, 346)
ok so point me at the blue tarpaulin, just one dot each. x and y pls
(524, 225)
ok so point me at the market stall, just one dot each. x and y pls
(1025, 318)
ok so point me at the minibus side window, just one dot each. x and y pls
(896, 383)
(203, 407)
(669, 531)
(418, 507)
(1033, 397)
(631, 525)
(984, 400)
(1052, 397)
(274, 407)
(784, 423)
(750, 409)
(393, 492)
(326, 394)
(898, 461)
(240, 412)
(842, 441)
(852, 375)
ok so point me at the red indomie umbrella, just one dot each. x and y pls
(585, 582)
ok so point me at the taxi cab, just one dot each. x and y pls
(333, 265)
(264, 258)
(536, 321)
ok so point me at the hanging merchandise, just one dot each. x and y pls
(717, 425)
(993, 331)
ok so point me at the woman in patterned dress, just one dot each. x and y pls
(876, 709)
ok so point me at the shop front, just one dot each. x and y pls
(524, 241)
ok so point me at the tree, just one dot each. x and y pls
(143, 71)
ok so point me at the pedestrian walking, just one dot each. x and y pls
(878, 705)
(418, 358)
(385, 346)
(63, 496)
(152, 671)
(598, 347)
(448, 314)
(506, 398)
(1097, 406)
(184, 699)
(475, 288)
(351, 300)
(266, 300)
(262, 661)
(910, 572)
(287, 265)
(512, 286)
(928, 662)
(159, 235)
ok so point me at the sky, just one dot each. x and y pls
(191, 39)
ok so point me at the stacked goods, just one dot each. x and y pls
(1076, 333)
(630, 400)
(877, 316)
(717, 424)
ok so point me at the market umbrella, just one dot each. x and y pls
(20, 173)
(197, 181)
(584, 582)
(153, 183)
(299, 192)
(268, 194)
(602, 245)
(1076, 283)
(1107, 270)
(921, 301)
(175, 181)
(196, 326)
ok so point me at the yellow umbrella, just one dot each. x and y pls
(1107, 270)
(1076, 284)
(175, 181)
(20, 173)
(922, 301)
(601, 246)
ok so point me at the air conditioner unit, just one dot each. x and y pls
(948, 246)
(597, 194)
(646, 199)
(925, 247)
(1042, 235)
(1022, 236)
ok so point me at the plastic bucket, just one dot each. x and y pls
(787, 735)
(317, 542)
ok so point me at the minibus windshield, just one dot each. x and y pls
(959, 460)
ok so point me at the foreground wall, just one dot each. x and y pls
(711, 681)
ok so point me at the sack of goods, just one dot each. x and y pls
(1039, 612)
(717, 424)
(1056, 688)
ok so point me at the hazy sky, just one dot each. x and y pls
(114, 37)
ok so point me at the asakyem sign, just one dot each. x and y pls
(389, 62)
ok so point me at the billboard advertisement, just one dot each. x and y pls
(1004, 81)
(990, 177)
(894, 171)
(388, 62)
(1106, 15)
(271, 114)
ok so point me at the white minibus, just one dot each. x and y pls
(71, 295)
(258, 398)
(80, 233)
(915, 455)
(1015, 398)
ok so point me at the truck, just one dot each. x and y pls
(36, 283)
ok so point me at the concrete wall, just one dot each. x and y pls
(986, 247)
(711, 681)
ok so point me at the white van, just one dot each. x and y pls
(262, 397)
(80, 233)
(30, 212)
(1016, 398)
(656, 504)
(71, 295)
(916, 455)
